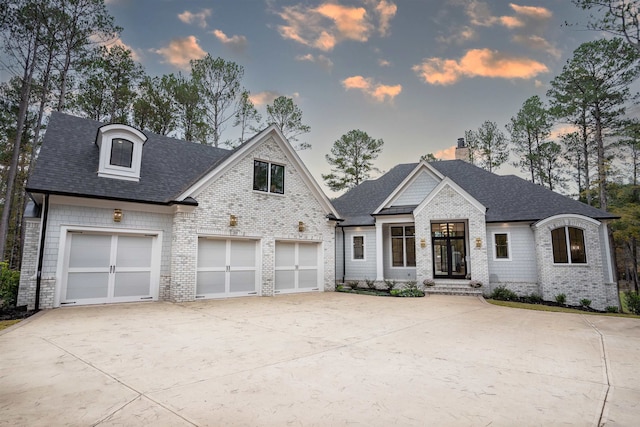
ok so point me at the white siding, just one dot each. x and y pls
(417, 190)
(357, 269)
(521, 267)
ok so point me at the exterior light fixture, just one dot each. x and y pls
(233, 220)
(117, 215)
(301, 226)
(423, 243)
(478, 242)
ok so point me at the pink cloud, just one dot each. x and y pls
(180, 51)
(199, 18)
(237, 43)
(368, 86)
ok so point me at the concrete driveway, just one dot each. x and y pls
(326, 359)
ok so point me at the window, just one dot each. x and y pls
(121, 152)
(403, 246)
(568, 246)
(501, 245)
(268, 177)
(358, 247)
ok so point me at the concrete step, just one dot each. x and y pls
(452, 290)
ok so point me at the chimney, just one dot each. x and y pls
(462, 151)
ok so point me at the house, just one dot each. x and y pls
(119, 215)
(452, 222)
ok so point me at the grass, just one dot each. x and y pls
(541, 307)
(4, 324)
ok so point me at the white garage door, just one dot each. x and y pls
(106, 268)
(226, 268)
(297, 267)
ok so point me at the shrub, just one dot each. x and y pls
(611, 309)
(407, 292)
(503, 294)
(633, 301)
(585, 302)
(561, 299)
(371, 284)
(535, 298)
(353, 284)
(428, 282)
(9, 282)
(390, 284)
(411, 284)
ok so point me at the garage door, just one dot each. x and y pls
(106, 268)
(297, 267)
(226, 268)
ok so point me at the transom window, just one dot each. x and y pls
(501, 242)
(403, 246)
(568, 246)
(121, 152)
(268, 177)
(358, 247)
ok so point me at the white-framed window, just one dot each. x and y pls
(403, 246)
(268, 177)
(501, 246)
(358, 253)
(568, 245)
(120, 152)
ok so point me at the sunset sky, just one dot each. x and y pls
(415, 73)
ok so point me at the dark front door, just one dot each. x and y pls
(449, 254)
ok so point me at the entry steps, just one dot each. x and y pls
(452, 289)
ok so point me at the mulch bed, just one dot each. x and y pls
(15, 313)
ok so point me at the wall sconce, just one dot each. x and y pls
(233, 220)
(478, 242)
(423, 243)
(300, 226)
(117, 215)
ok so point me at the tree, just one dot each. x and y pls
(190, 112)
(353, 156)
(626, 230)
(155, 107)
(429, 157)
(550, 165)
(288, 117)
(108, 91)
(529, 129)
(595, 82)
(218, 83)
(631, 142)
(618, 17)
(488, 146)
(247, 117)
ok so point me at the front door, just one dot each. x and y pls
(449, 250)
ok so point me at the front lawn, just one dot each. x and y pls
(4, 324)
(558, 309)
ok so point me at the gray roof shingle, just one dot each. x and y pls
(68, 164)
(507, 198)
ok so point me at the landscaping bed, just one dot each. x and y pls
(408, 289)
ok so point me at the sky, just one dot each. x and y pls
(416, 73)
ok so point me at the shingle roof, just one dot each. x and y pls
(68, 164)
(507, 198)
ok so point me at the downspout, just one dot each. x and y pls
(45, 215)
(344, 258)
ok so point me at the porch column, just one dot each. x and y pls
(379, 251)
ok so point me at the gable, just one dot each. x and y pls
(415, 192)
(452, 189)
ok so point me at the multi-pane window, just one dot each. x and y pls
(501, 241)
(403, 246)
(568, 246)
(121, 153)
(268, 177)
(358, 247)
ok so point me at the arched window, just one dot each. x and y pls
(121, 152)
(568, 246)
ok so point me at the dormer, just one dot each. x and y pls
(120, 152)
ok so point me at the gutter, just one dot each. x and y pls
(45, 215)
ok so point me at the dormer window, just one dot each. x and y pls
(120, 152)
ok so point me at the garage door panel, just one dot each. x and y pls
(242, 254)
(212, 253)
(87, 285)
(308, 279)
(285, 279)
(242, 281)
(308, 255)
(90, 251)
(132, 284)
(134, 251)
(210, 282)
(285, 254)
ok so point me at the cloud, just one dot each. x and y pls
(460, 36)
(324, 26)
(264, 98)
(377, 91)
(480, 15)
(200, 18)
(384, 63)
(180, 51)
(446, 154)
(321, 60)
(537, 43)
(115, 40)
(236, 43)
(478, 63)
(534, 12)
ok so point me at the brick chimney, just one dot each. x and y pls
(462, 151)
